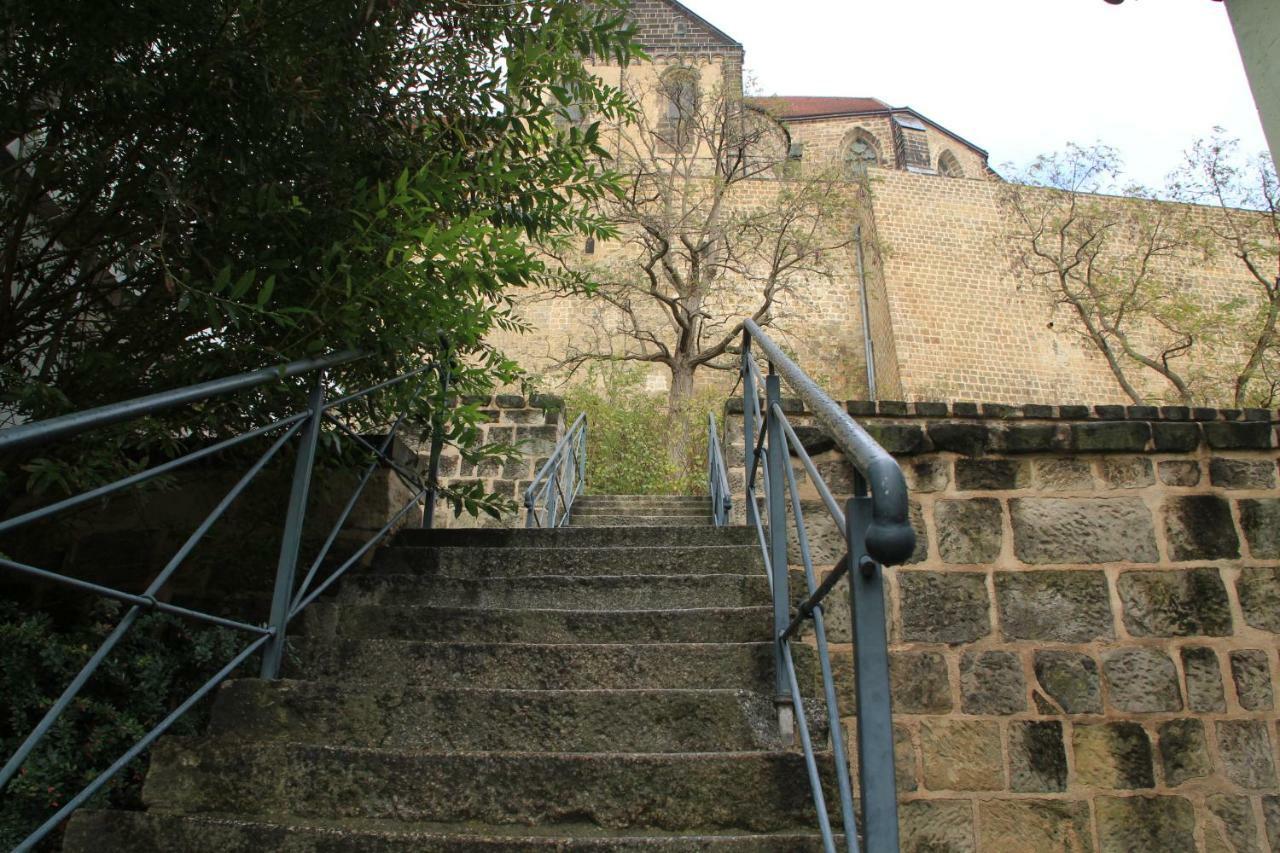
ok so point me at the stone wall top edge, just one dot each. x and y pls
(1030, 411)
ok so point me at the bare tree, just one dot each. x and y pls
(1111, 262)
(1245, 195)
(717, 223)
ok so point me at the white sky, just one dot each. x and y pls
(1016, 77)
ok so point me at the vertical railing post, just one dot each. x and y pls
(291, 541)
(748, 424)
(777, 461)
(871, 682)
(437, 445)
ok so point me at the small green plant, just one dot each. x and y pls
(630, 429)
(157, 665)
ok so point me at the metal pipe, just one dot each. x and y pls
(806, 744)
(868, 347)
(890, 538)
(34, 434)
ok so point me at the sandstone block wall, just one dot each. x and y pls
(1084, 645)
(536, 423)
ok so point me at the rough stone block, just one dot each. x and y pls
(964, 409)
(1110, 413)
(1082, 530)
(992, 683)
(1127, 472)
(1245, 748)
(1252, 676)
(944, 607)
(1145, 824)
(1259, 592)
(929, 410)
(1175, 437)
(1113, 755)
(936, 826)
(1238, 435)
(861, 408)
(1175, 603)
(969, 531)
(1204, 413)
(928, 475)
(1061, 475)
(904, 755)
(892, 408)
(898, 439)
(1184, 751)
(1074, 413)
(1260, 521)
(1179, 472)
(1233, 828)
(1033, 438)
(1271, 815)
(1141, 413)
(1066, 607)
(1111, 436)
(1071, 679)
(1242, 473)
(965, 439)
(961, 755)
(510, 401)
(1204, 680)
(1199, 527)
(1045, 826)
(1175, 413)
(991, 474)
(920, 683)
(1141, 680)
(1037, 410)
(1037, 756)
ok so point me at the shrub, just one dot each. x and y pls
(157, 665)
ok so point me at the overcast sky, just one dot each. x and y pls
(1016, 77)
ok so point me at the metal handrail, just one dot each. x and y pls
(717, 476)
(560, 479)
(877, 531)
(288, 598)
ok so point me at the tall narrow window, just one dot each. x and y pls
(680, 93)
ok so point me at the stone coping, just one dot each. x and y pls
(1030, 411)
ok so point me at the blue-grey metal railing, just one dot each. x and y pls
(560, 480)
(288, 597)
(717, 476)
(877, 532)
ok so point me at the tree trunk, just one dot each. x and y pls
(678, 437)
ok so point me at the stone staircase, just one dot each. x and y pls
(600, 687)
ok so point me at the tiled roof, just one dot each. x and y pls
(789, 106)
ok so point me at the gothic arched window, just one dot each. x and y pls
(860, 152)
(679, 90)
(949, 166)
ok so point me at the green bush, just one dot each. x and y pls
(157, 665)
(629, 433)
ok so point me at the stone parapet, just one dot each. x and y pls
(1084, 644)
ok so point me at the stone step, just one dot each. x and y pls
(154, 832)
(691, 510)
(753, 791)
(667, 500)
(396, 716)
(579, 537)
(482, 562)
(577, 519)
(600, 592)
(542, 666)
(492, 625)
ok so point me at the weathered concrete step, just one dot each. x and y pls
(481, 562)
(755, 791)
(599, 592)
(670, 500)
(580, 537)
(492, 625)
(577, 519)
(476, 720)
(540, 666)
(154, 832)
(681, 510)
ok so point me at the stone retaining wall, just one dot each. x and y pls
(1084, 645)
